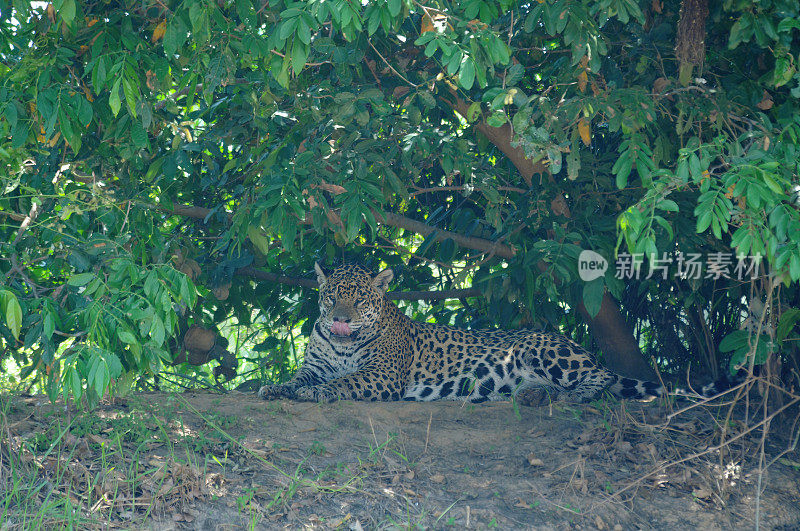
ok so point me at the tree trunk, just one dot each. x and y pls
(609, 328)
(615, 338)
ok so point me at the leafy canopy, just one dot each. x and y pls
(158, 155)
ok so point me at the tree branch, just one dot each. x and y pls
(501, 137)
(388, 218)
(394, 295)
(469, 242)
(272, 277)
(13, 215)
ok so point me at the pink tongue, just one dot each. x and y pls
(340, 329)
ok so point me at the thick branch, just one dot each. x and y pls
(13, 215)
(388, 218)
(469, 242)
(502, 137)
(434, 295)
(394, 295)
(272, 277)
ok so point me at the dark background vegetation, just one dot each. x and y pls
(171, 171)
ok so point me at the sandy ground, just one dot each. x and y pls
(205, 461)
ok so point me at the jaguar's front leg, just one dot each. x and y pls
(304, 378)
(364, 384)
(317, 393)
(268, 392)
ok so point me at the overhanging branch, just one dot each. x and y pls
(394, 295)
(388, 218)
(502, 138)
(394, 220)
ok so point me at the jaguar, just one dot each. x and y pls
(363, 347)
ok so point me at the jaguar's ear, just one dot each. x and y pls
(321, 278)
(382, 279)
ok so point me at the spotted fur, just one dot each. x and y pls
(364, 348)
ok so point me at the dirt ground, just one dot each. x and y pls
(206, 461)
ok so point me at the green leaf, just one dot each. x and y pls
(734, 341)
(772, 184)
(425, 38)
(593, 295)
(623, 172)
(374, 21)
(666, 226)
(682, 172)
(124, 383)
(11, 114)
(67, 11)
(199, 20)
(303, 32)
(694, 167)
(427, 243)
(259, 239)
(784, 70)
(394, 7)
(554, 155)
(740, 31)
(431, 47)
(138, 135)
(74, 383)
(427, 99)
(101, 378)
(175, 36)
(474, 112)
(667, 204)
(299, 56)
(157, 330)
(515, 74)
(13, 311)
(716, 228)
(72, 138)
(81, 279)
(786, 323)
(447, 250)
(703, 221)
(497, 119)
(126, 336)
(522, 120)
(113, 99)
(131, 95)
(48, 324)
(85, 112)
(397, 184)
(287, 28)
(794, 267)
(787, 24)
(466, 74)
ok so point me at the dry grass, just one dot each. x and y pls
(208, 460)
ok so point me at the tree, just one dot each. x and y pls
(161, 157)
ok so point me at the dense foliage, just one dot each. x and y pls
(180, 165)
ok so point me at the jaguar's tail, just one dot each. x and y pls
(637, 389)
(719, 386)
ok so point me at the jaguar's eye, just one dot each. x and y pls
(328, 301)
(359, 303)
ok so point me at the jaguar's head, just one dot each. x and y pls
(351, 300)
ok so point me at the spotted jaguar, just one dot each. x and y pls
(363, 347)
